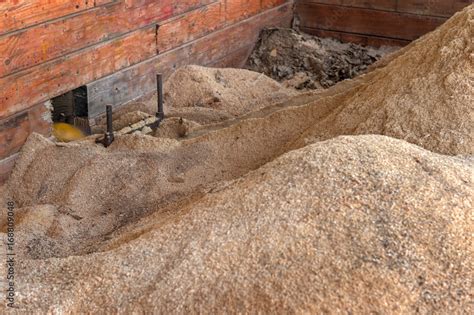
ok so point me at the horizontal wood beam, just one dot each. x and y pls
(369, 22)
(437, 8)
(50, 79)
(24, 13)
(34, 46)
(188, 27)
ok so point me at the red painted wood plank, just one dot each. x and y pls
(237, 10)
(18, 14)
(200, 22)
(45, 81)
(46, 42)
(268, 4)
(190, 26)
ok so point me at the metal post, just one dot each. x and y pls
(110, 128)
(109, 134)
(159, 82)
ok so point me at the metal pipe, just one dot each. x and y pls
(110, 128)
(109, 134)
(159, 82)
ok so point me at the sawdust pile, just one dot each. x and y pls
(424, 94)
(368, 223)
(309, 62)
(228, 219)
(231, 91)
(204, 96)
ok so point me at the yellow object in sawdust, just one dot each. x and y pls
(65, 133)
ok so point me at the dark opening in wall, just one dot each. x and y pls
(72, 108)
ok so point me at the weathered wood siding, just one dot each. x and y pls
(375, 22)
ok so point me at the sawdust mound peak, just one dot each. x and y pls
(366, 223)
(231, 91)
(424, 94)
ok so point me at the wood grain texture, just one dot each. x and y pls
(444, 8)
(48, 80)
(190, 26)
(441, 8)
(235, 59)
(240, 9)
(18, 14)
(366, 21)
(47, 42)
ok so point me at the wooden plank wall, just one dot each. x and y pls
(375, 22)
(115, 47)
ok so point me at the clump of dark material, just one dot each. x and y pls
(309, 62)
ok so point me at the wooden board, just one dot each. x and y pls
(48, 80)
(24, 13)
(441, 8)
(42, 43)
(444, 8)
(240, 9)
(365, 21)
(235, 59)
(190, 26)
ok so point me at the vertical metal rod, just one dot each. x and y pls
(109, 135)
(110, 128)
(159, 82)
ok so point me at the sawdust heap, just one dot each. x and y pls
(203, 96)
(121, 119)
(423, 94)
(232, 91)
(367, 224)
(204, 224)
(309, 62)
(175, 128)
